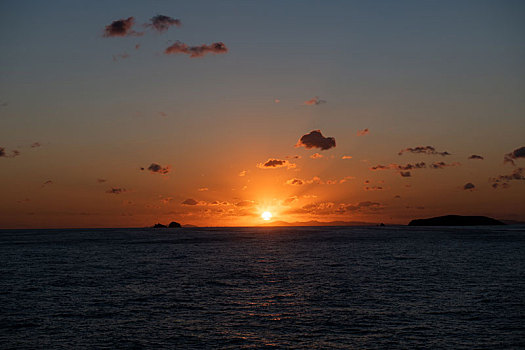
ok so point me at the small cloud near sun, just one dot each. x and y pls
(276, 163)
(346, 157)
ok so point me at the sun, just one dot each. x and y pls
(266, 215)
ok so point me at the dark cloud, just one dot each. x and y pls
(424, 150)
(503, 180)
(363, 132)
(101, 180)
(190, 201)
(469, 186)
(196, 51)
(315, 139)
(121, 27)
(35, 144)
(314, 101)
(48, 182)
(475, 156)
(405, 173)
(3, 153)
(158, 169)
(162, 23)
(441, 165)
(512, 156)
(116, 190)
(276, 163)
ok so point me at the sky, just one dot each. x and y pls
(129, 113)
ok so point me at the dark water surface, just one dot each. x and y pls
(384, 288)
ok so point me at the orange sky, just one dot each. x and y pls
(324, 116)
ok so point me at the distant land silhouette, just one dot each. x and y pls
(456, 220)
(172, 224)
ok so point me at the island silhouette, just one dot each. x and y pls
(456, 220)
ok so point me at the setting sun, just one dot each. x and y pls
(266, 215)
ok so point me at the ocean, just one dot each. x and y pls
(287, 287)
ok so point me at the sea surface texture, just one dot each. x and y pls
(296, 288)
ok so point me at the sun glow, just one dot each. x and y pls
(266, 215)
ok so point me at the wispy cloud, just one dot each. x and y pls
(315, 139)
(116, 190)
(363, 132)
(3, 153)
(512, 156)
(346, 157)
(441, 165)
(196, 51)
(424, 150)
(316, 156)
(314, 101)
(503, 180)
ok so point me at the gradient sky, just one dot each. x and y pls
(81, 108)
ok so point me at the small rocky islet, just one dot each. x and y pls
(172, 224)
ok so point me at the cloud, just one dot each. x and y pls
(314, 101)
(475, 156)
(276, 163)
(276, 100)
(120, 56)
(295, 181)
(245, 203)
(503, 180)
(101, 180)
(48, 182)
(363, 132)
(373, 188)
(512, 156)
(293, 157)
(242, 173)
(316, 156)
(400, 167)
(424, 150)
(469, 186)
(158, 169)
(35, 144)
(202, 189)
(196, 51)
(405, 174)
(190, 201)
(290, 200)
(441, 165)
(315, 139)
(162, 23)
(116, 190)
(121, 27)
(346, 157)
(3, 153)
(367, 205)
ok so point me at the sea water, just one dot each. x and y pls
(310, 287)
